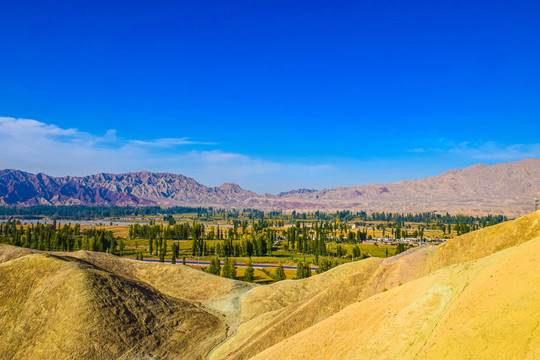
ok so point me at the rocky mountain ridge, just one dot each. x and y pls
(506, 188)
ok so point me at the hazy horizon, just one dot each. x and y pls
(259, 192)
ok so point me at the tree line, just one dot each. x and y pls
(53, 237)
(82, 212)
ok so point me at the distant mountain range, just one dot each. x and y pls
(506, 188)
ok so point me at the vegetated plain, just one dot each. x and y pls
(318, 240)
(474, 296)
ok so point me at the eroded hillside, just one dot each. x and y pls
(65, 308)
(274, 313)
(488, 308)
(473, 295)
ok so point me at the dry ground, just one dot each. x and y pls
(276, 312)
(475, 296)
(65, 308)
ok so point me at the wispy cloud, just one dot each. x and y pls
(39, 147)
(35, 146)
(489, 151)
(497, 152)
(169, 142)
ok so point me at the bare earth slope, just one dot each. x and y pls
(488, 308)
(474, 297)
(274, 313)
(179, 281)
(215, 293)
(65, 308)
(506, 188)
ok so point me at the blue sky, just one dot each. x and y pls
(272, 95)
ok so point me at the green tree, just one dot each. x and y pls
(229, 268)
(162, 256)
(232, 270)
(226, 267)
(300, 270)
(307, 270)
(248, 274)
(194, 247)
(173, 257)
(280, 273)
(303, 270)
(400, 248)
(215, 266)
(356, 252)
(339, 251)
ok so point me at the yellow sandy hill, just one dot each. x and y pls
(476, 296)
(179, 281)
(484, 309)
(61, 307)
(182, 282)
(274, 313)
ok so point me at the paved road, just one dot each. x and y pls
(239, 264)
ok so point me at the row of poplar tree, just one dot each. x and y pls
(53, 237)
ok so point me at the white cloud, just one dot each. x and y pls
(497, 152)
(35, 146)
(169, 142)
